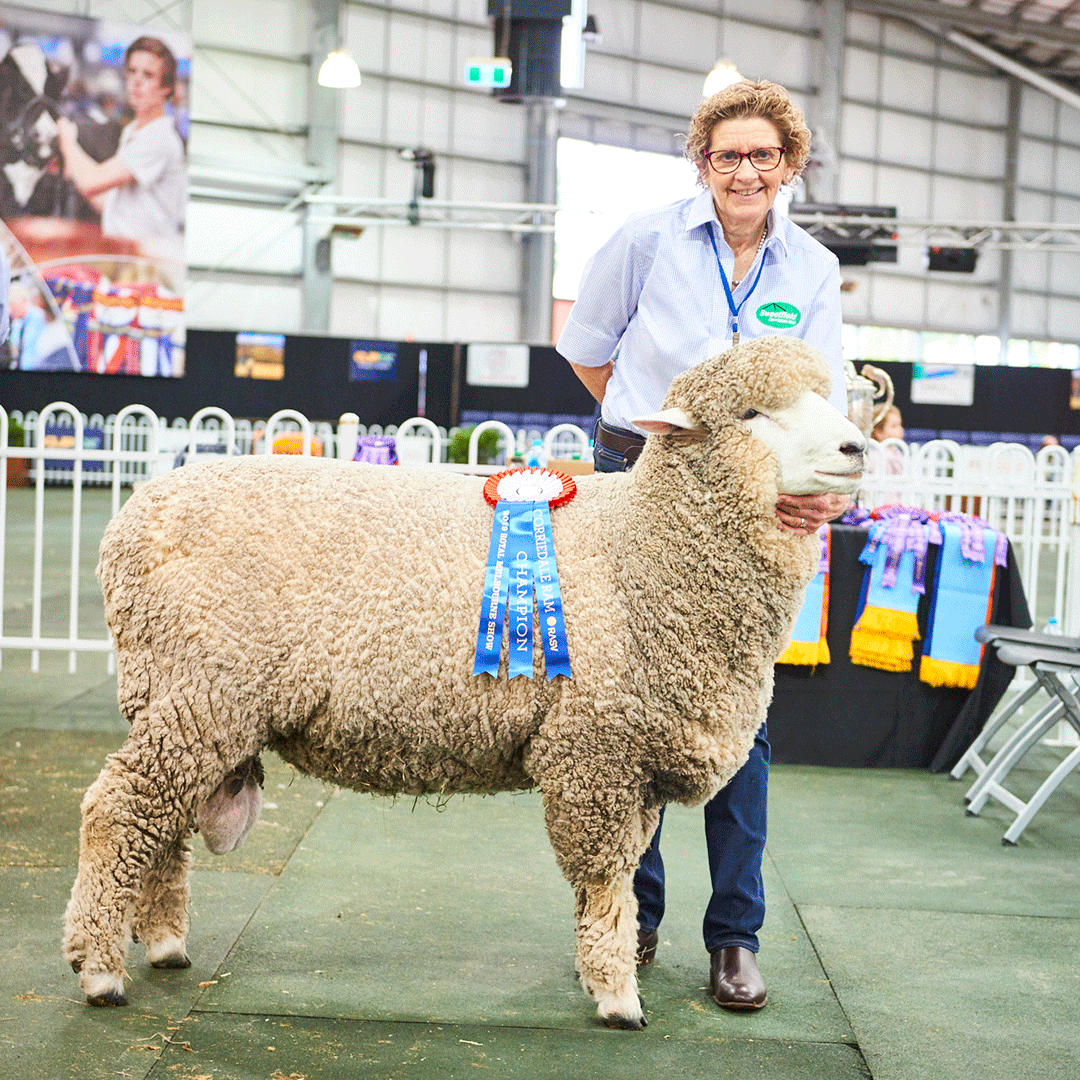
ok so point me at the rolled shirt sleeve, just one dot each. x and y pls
(607, 298)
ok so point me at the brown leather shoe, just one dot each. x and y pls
(735, 981)
(647, 940)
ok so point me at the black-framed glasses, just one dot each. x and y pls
(764, 159)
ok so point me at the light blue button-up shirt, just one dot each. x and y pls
(652, 299)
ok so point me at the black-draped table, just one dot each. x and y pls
(846, 715)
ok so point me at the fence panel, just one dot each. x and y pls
(1029, 497)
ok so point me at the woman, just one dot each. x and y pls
(141, 191)
(672, 287)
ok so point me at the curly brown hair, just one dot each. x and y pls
(744, 100)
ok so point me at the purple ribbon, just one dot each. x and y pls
(855, 516)
(823, 562)
(376, 450)
(903, 529)
(973, 537)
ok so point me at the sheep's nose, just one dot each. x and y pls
(853, 449)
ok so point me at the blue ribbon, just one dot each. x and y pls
(962, 593)
(519, 562)
(521, 555)
(489, 637)
(549, 596)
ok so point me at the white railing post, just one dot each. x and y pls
(299, 418)
(485, 425)
(208, 413)
(405, 438)
(348, 432)
(566, 429)
(56, 408)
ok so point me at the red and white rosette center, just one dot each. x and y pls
(530, 485)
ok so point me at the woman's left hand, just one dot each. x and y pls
(805, 514)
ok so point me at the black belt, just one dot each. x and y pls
(619, 441)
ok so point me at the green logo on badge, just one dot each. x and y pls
(779, 315)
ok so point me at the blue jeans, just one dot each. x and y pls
(735, 821)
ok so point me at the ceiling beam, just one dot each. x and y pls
(973, 19)
(1007, 64)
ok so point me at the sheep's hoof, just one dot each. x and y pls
(627, 1015)
(169, 952)
(110, 997)
(104, 989)
(625, 1023)
(173, 960)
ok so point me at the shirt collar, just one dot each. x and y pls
(702, 211)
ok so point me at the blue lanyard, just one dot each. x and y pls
(727, 290)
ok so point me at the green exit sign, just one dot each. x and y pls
(493, 73)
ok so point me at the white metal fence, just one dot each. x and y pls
(1032, 498)
(67, 452)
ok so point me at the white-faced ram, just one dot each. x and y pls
(328, 611)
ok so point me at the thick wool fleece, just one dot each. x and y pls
(330, 612)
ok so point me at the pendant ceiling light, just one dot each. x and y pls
(339, 70)
(723, 75)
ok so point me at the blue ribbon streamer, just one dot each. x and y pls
(520, 552)
(549, 596)
(521, 556)
(489, 637)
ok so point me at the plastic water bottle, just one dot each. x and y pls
(536, 458)
(1051, 626)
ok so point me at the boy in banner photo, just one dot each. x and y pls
(141, 191)
(93, 191)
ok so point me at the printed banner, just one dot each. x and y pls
(93, 193)
(943, 384)
(373, 361)
(497, 365)
(260, 356)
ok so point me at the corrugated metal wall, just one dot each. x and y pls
(923, 127)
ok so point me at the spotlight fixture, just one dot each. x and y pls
(423, 161)
(339, 71)
(724, 74)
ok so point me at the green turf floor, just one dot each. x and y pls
(353, 936)
(356, 937)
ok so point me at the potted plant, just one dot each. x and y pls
(18, 469)
(487, 446)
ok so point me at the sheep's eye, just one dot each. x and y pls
(749, 414)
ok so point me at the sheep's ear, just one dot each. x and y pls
(667, 421)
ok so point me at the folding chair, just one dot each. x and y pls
(994, 635)
(1048, 665)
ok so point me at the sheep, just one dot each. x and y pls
(328, 611)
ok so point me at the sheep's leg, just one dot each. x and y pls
(606, 950)
(599, 832)
(161, 919)
(130, 815)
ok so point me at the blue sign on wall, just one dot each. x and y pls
(373, 361)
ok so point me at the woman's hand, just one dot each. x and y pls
(805, 514)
